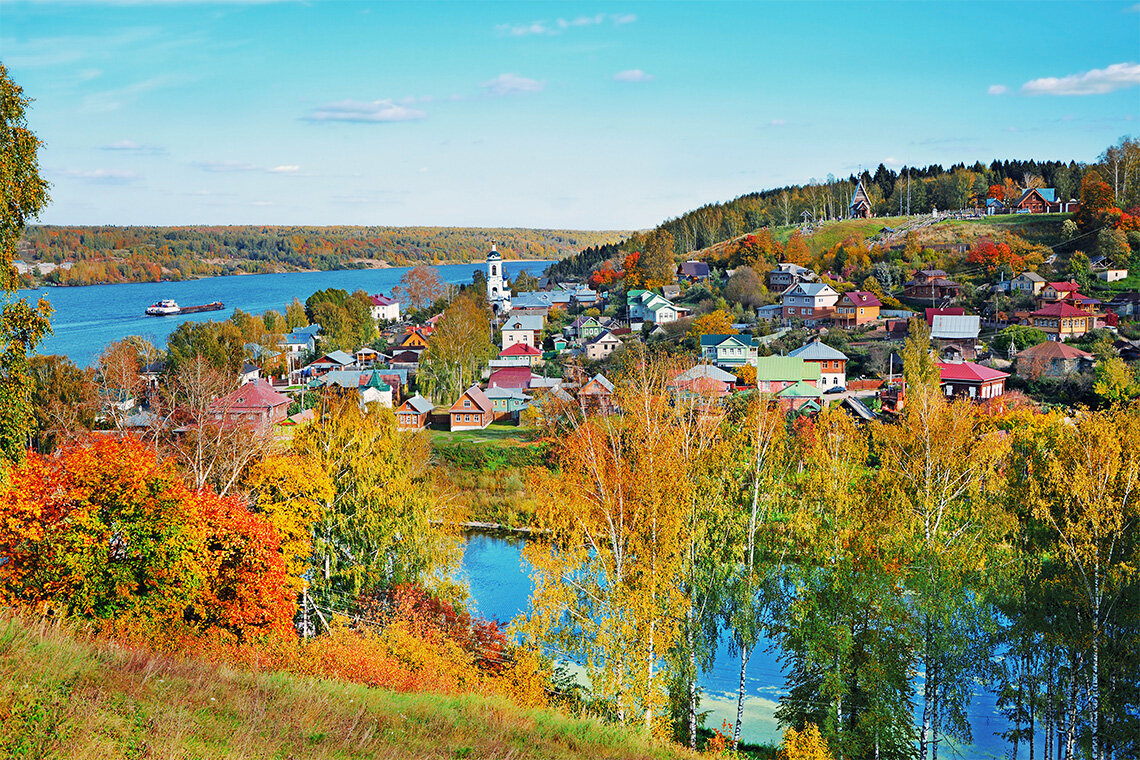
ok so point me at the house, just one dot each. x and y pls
(957, 331)
(704, 380)
(1052, 359)
(1112, 275)
(800, 397)
(1062, 320)
(857, 307)
(1126, 304)
(520, 354)
(930, 284)
(368, 384)
(809, 302)
(385, 309)
(413, 413)
(507, 402)
(602, 346)
(298, 343)
(585, 328)
(597, 395)
(510, 377)
(647, 306)
(328, 362)
(786, 275)
(1027, 282)
(994, 206)
(415, 340)
(522, 329)
(397, 377)
(1036, 200)
(250, 373)
(729, 350)
(1059, 291)
(366, 356)
(255, 404)
(472, 410)
(969, 380)
(832, 362)
(775, 373)
(860, 207)
(693, 271)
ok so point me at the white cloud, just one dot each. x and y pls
(997, 89)
(130, 146)
(111, 100)
(581, 21)
(524, 30)
(778, 123)
(1094, 82)
(261, 203)
(375, 111)
(284, 169)
(625, 18)
(512, 84)
(226, 166)
(892, 161)
(560, 25)
(103, 176)
(632, 75)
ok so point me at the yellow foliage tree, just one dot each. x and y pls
(714, 323)
(807, 744)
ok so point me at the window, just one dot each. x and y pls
(949, 390)
(466, 403)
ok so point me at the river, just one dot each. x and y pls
(88, 318)
(500, 589)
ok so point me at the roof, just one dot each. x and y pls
(605, 336)
(931, 272)
(695, 269)
(1048, 194)
(860, 196)
(353, 379)
(708, 341)
(406, 357)
(506, 393)
(705, 371)
(337, 357)
(1031, 276)
(1061, 309)
(862, 298)
(532, 322)
(789, 268)
(811, 289)
(785, 368)
(520, 349)
(417, 404)
(817, 351)
(1065, 287)
(599, 380)
(968, 372)
(953, 311)
(383, 300)
(476, 394)
(1053, 349)
(861, 410)
(800, 389)
(948, 327)
(510, 377)
(253, 395)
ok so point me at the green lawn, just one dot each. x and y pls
(497, 433)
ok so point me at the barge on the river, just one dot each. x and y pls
(169, 308)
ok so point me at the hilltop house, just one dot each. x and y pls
(520, 354)
(860, 203)
(930, 284)
(1061, 320)
(693, 271)
(413, 413)
(857, 307)
(832, 363)
(810, 302)
(472, 410)
(602, 346)
(647, 306)
(786, 275)
(1059, 291)
(1027, 282)
(729, 350)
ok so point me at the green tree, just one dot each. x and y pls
(1020, 336)
(1113, 245)
(524, 282)
(1116, 382)
(295, 315)
(458, 351)
(1080, 269)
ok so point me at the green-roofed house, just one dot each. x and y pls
(729, 350)
(800, 397)
(775, 373)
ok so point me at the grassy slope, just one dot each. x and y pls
(65, 698)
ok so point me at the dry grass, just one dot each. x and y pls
(64, 697)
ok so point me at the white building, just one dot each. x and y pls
(523, 329)
(498, 294)
(385, 309)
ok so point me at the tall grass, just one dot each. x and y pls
(65, 696)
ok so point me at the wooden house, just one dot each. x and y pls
(472, 410)
(973, 381)
(857, 307)
(255, 404)
(860, 203)
(832, 363)
(775, 373)
(928, 284)
(416, 340)
(596, 395)
(1059, 291)
(413, 413)
(1062, 320)
(1052, 359)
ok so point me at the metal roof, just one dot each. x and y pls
(954, 327)
(817, 351)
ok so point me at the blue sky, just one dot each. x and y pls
(576, 115)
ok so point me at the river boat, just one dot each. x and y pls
(167, 308)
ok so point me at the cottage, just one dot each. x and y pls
(507, 402)
(647, 306)
(969, 380)
(958, 331)
(255, 404)
(329, 362)
(693, 271)
(930, 284)
(413, 413)
(416, 340)
(1062, 320)
(1112, 275)
(704, 380)
(786, 275)
(585, 328)
(857, 307)
(1052, 359)
(368, 384)
(809, 302)
(385, 309)
(522, 329)
(597, 395)
(1027, 282)
(774, 373)
(602, 346)
(729, 350)
(472, 410)
(510, 377)
(800, 397)
(366, 357)
(1036, 200)
(832, 363)
(1059, 291)
(520, 354)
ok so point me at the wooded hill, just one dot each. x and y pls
(90, 255)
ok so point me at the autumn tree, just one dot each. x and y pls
(807, 744)
(524, 282)
(64, 399)
(458, 351)
(656, 266)
(714, 323)
(1096, 203)
(295, 315)
(745, 287)
(419, 288)
(118, 374)
(796, 250)
(1116, 382)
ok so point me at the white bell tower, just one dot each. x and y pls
(498, 294)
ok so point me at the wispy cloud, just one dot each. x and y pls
(103, 176)
(778, 123)
(997, 89)
(284, 169)
(226, 167)
(374, 111)
(558, 26)
(512, 84)
(112, 100)
(632, 75)
(130, 146)
(1118, 76)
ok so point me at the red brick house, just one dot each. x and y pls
(255, 404)
(472, 410)
(930, 283)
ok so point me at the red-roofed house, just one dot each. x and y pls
(953, 311)
(857, 307)
(1061, 320)
(1057, 291)
(385, 308)
(522, 354)
(1052, 359)
(472, 411)
(971, 380)
(517, 378)
(255, 404)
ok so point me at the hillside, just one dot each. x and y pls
(65, 698)
(90, 255)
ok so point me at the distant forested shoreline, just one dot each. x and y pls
(89, 255)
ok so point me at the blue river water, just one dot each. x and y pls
(500, 585)
(88, 318)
